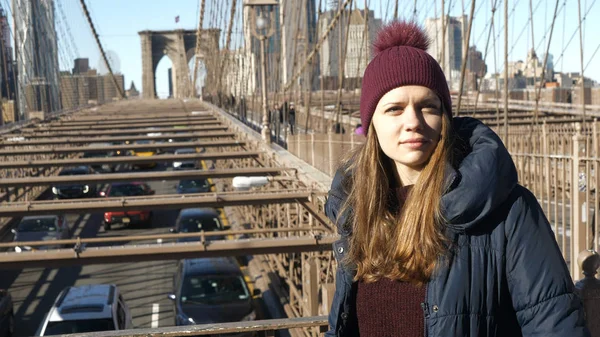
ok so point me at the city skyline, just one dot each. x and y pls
(119, 38)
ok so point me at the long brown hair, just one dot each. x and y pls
(400, 244)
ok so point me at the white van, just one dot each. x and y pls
(88, 308)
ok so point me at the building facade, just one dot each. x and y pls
(447, 47)
(81, 88)
(36, 52)
(299, 36)
(362, 29)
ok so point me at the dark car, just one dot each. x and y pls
(41, 228)
(74, 190)
(7, 317)
(195, 220)
(212, 290)
(127, 189)
(194, 186)
(99, 155)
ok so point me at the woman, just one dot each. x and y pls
(437, 237)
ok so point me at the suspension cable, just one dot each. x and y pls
(112, 76)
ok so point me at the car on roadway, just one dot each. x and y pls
(121, 152)
(100, 155)
(75, 190)
(41, 228)
(87, 308)
(127, 189)
(185, 164)
(144, 153)
(195, 220)
(7, 314)
(212, 290)
(194, 186)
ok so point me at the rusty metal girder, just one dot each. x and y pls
(160, 252)
(163, 237)
(144, 112)
(51, 134)
(268, 326)
(119, 121)
(57, 150)
(101, 117)
(168, 201)
(110, 127)
(117, 139)
(141, 176)
(129, 159)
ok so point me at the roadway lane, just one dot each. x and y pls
(144, 284)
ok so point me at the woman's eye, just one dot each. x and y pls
(431, 110)
(394, 109)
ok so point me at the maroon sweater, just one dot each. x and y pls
(390, 308)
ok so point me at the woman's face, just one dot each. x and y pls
(408, 123)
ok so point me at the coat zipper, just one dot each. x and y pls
(425, 307)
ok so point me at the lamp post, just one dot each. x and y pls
(262, 27)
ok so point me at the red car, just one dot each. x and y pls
(127, 189)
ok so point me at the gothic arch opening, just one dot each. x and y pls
(164, 78)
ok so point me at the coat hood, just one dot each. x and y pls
(484, 178)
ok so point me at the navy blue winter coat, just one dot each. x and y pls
(505, 276)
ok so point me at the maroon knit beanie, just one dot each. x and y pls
(400, 59)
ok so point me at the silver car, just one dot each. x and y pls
(41, 228)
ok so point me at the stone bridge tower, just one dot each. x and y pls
(179, 46)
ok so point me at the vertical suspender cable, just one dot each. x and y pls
(463, 66)
(506, 71)
(543, 79)
(227, 42)
(487, 44)
(583, 119)
(443, 57)
(198, 42)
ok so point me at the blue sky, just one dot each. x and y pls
(119, 21)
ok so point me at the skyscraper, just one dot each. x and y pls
(295, 23)
(451, 41)
(357, 50)
(6, 61)
(36, 55)
(298, 38)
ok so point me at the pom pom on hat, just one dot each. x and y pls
(400, 59)
(400, 33)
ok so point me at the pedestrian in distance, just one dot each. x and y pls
(292, 118)
(437, 236)
(275, 120)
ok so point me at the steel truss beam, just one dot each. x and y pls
(86, 140)
(128, 115)
(52, 134)
(111, 127)
(163, 238)
(168, 201)
(160, 252)
(57, 150)
(269, 326)
(142, 176)
(132, 118)
(141, 112)
(131, 121)
(129, 159)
